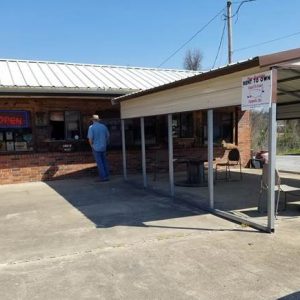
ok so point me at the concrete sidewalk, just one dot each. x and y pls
(77, 239)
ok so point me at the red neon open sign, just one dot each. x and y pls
(14, 119)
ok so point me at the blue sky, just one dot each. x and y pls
(142, 33)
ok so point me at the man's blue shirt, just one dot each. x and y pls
(99, 135)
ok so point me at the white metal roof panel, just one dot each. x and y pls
(57, 76)
(27, 73)
(66, 82)
(103, 82)
(17, 77)
(77, 81)
(5, 76)
(133, 79)
(150, 79)
(39, 75)
(115, 80)
(50, 75)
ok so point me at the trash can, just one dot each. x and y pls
(256, 163)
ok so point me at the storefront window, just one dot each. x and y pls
(183, 125)
(15, 131)
(65, 125)
(133, 131)
(223, 127)
(114, 127)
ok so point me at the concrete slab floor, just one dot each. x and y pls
(77, 239)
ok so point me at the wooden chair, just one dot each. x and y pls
(233, 159)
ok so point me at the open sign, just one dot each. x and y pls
(14, 119)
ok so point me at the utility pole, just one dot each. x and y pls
(229, 31)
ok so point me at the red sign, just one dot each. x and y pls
(14, 119)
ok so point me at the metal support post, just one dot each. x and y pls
(143, 152)
(124, 149)
(170, 147)
(272, 162)
(210, 150)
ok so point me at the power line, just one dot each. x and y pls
(267, 42)
(220, 44)
(191, 38)
(239, 7)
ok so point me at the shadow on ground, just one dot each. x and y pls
(116, 203)
(293, 296)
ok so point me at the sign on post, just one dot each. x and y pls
(257, 90)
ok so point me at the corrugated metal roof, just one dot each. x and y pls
(53, 76)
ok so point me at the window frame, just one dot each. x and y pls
(65, 125)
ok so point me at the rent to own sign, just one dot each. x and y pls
(257, 90)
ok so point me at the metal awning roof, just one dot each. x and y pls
(288, 83)
(286, 59)
(206, 75)
(288, 91)
(218, 88)
(37, 76)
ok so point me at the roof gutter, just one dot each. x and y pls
(63, 91)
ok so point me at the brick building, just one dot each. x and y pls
(45, 110)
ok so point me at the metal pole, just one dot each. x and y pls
(210, 150)
(272, 161)
(124, 149)
(143, 152)
(229, 31)
(170, 147)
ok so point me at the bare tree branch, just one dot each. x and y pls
(192, 60)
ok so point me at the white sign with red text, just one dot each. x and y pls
(257, 90)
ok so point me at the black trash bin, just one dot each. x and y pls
(256, 163)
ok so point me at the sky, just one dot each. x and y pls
(144, 33)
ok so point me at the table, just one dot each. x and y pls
(195, 172)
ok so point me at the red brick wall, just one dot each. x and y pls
(41, 166)
(16, 168)
(244, 136)
(48, 166)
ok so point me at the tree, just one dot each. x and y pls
(192, 60)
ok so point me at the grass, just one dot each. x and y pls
(288, 151)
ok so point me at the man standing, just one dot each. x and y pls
(98, 136)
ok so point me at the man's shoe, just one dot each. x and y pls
(101, 180)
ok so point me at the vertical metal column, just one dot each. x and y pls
(170, 148)
(143, 152)
(210, 150)
(124, 149)
(272, 162)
